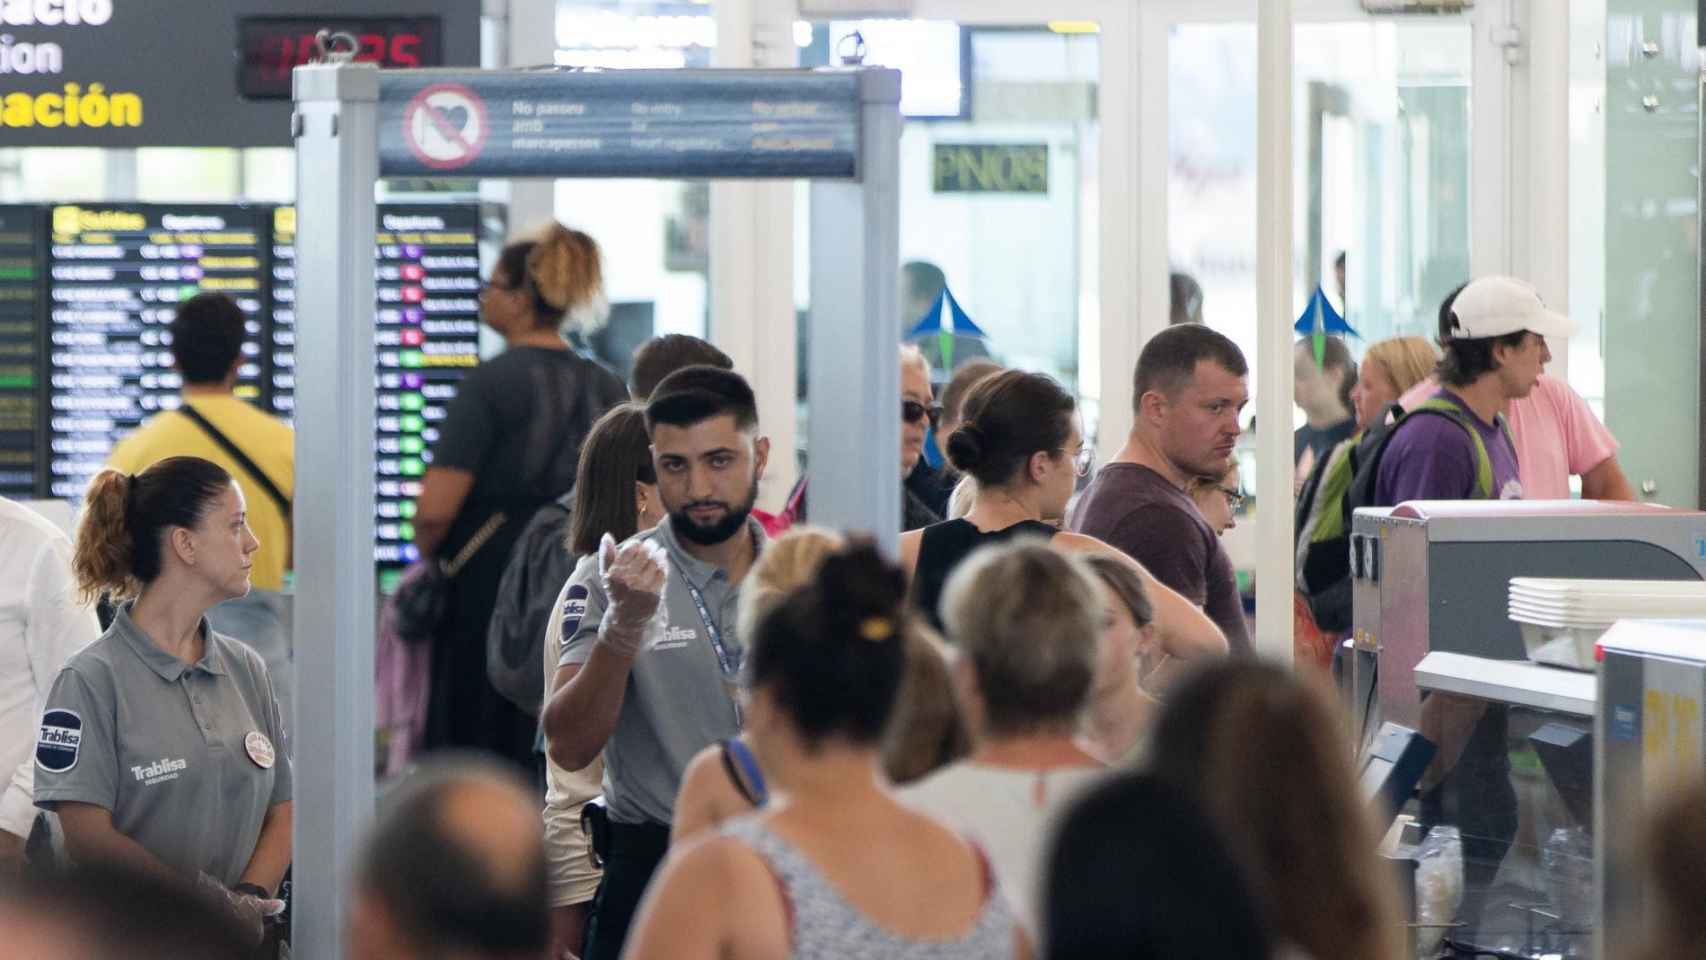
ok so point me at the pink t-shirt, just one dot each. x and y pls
(1556, 435)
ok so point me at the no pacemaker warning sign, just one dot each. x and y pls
(445, 126)
(624, 123)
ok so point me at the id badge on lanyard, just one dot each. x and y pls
(728, 661)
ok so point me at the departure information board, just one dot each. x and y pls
(427, 335)
(21, 239)
(116, 275)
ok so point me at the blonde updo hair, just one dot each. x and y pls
(562, 271)
(789, 563)
(120, 545)
(1406, 360)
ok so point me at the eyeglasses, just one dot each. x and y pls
(1234, 497)
(912, 411)
(1082, 460)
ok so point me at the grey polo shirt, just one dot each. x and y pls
(678, 700)
(167, 746)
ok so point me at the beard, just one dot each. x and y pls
(732, 522)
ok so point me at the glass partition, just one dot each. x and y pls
(998, 202)
(1380, 178)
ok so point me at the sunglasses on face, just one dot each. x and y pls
(912, 411)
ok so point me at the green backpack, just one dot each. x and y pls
(1342, 482)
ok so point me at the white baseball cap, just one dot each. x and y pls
(1496, 306)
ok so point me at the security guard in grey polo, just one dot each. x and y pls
(650, 651)
(161, 743)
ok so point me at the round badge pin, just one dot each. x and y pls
(260, 749)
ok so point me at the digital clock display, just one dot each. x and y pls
(268, 48)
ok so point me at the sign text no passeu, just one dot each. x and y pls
(990, 168)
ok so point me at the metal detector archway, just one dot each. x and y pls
(353, 125)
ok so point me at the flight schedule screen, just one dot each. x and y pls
(116, 274)
(20, 349)
(426, 336)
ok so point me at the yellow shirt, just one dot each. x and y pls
(267, 441)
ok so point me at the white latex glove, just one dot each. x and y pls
(250, 911)
(633, 576)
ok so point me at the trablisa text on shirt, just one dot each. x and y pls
(159, 771)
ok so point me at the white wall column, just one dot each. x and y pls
(1544, 257)
(1520, 148)
(752, 254)
(1133, 192)
(1493, 144)
(1274, 310)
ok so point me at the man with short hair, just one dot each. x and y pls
(661, 356)
(651, 655)
(1190, 386)
(259, 451)
(116, 910)
(454, 868)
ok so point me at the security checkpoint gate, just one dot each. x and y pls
(354, 124)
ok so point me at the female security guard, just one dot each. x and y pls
(161, 743)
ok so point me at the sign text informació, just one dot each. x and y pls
(164, 73)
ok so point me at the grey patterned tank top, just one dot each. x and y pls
(823, 926)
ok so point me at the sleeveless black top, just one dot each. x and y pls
(945, 545)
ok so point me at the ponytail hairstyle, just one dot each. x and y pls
(563, 273)
(1008, 417)
(832, 653)
(121, 536)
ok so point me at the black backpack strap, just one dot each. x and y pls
(249, 466)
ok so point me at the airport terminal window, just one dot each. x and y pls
(52, 173)
(179, 174)
(999, 202)
(1391, 162)
(654, 233)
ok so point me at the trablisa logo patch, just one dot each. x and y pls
(574, 610)
(60, 740)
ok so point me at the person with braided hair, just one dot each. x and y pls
(509, 445)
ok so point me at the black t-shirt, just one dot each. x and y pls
(508, 423)
(1322, 440)
(945, 545)
(935, 487)
(517, 424)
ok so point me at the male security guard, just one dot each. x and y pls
(649, 665)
